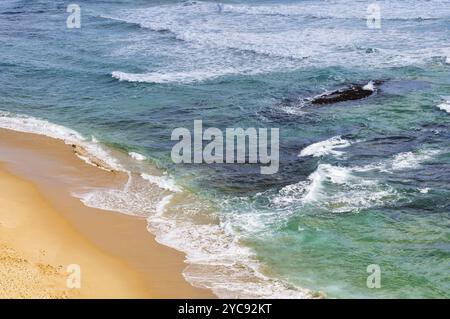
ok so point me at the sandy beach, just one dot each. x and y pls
(44, 230)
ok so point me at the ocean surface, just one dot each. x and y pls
(360, 183)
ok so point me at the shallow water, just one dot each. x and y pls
(360, 183)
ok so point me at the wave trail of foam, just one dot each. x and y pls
(445, 106)
(90, 149)
(163, 182)
(33, 125)
(328, 189)
(401, 161)
(325, 147)
(217, 260)
(181, 77)
(342, 189)
(137, 156)
(336, 189)
(369, 86)
(411, 160)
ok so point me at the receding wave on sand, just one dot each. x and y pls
(215, 257)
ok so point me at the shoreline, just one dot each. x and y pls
(117, 241)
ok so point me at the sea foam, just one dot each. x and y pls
(169, 77)
(412, 160)
(27, 124)
(137, 156)
(326, 147)
(163, 182)
(336, 189)
(369, 86)
(445, 106)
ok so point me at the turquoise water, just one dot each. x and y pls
(360, 183)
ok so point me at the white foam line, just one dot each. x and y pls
(161, 207)
(227, 268)
(181, 77)
(137, 156)
(410, 160)
(27, 124)
(163, 182)
(369, 86)
(445, 106)
(157, 77)
(325, 147)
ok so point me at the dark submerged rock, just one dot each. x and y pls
(352, 93)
